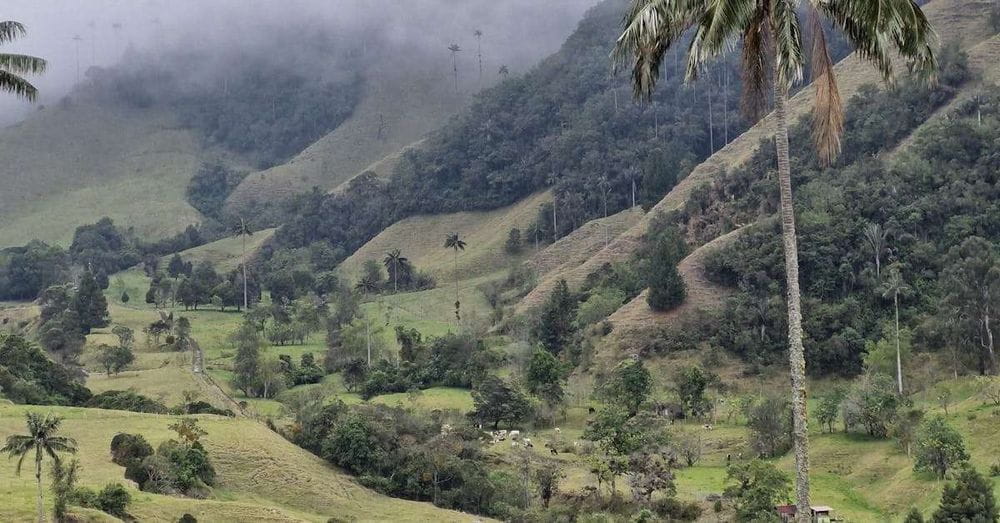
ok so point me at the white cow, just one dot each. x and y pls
(514, 434)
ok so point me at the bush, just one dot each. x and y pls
(127, 449)
(114, 500)
(666, 287)
(673, 509)
(126, 400)
(939, 447)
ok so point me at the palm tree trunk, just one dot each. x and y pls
(796, 352)
(899, 361)
(245, 302)
(39, 504)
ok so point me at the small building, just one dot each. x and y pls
(819, 513)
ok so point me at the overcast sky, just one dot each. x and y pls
(76, 34)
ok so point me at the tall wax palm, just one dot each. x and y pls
(875, 239)
(453, 242)
(242, 231)
(367, 286)
(893, 287)
(13, 66)
(772, 57)
(455, 49)
(393, 260)
(479, 52)
(41, 438)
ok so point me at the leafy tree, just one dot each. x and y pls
(177, 268)
(125, 335)
(208, 189)
(188, 430)
(628, 385)
(28, 376)
(690, 384)
(90, 304)
(969, 499)
(828, 408)
(247, 360)
(42, 439)
(63, 487)
(495, 401)
(769, 421)
(544, 376)
(115, 358)
(972, 280)
(555, 329)
(514, 243)
(547, 477)
(26, 271)
(646, 38)
(757, 486)
(939, 448)
(872, 402)
(114, 499)
(666, 286)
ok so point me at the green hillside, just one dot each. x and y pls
(262, 477)
(76, 162)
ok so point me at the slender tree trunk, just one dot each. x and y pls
(368, 339)
(899, 361)
(245, 302)
(40, 505)
(711, 119)
(796, 352)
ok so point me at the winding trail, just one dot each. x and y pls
(209, 384)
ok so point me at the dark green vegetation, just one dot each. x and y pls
(265, 108)
(28, 376)
(177, 467)
(859, 219)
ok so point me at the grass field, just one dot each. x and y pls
(262, 477)
(75, 163)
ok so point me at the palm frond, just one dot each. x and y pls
(718, 28)
(20, 461)
(877, 28)
(787, 36)
(10, 31)
(756, 67)
(22, 64)
(11, 83)
(828, 109)
(649, 29)
(62, 444)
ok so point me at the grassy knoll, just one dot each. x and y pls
(262, 477)
(225, 254)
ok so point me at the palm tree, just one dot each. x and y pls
(772, 56)
(479, 51)
(367, 286)
(14, 65)
(503, 71)
(393, 260)
(452, 241)
(42, 439)
(893, 287)
(242, 230)
(875, 237)
(455, 49)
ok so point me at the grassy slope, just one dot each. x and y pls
(952, 19)
(421, 238)
(70, 165)
(225, 254)
(262, 477)
(412, 103)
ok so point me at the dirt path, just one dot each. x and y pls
(209, 384)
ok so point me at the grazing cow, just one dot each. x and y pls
(707, 426)
(527, 443)
(554, 451)
(514, 434)
(591, 410)
(558, 430)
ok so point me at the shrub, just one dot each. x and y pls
(114, 500)
(666, 287)
(127, 449)
(939, 447)
(673, 509)
(126, 400)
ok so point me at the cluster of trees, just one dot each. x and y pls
(872, 235)
(192, 286)
(68, 314)
(208, 189)
(28, 376)
(259, 376)
(177, 467)
(26, 271)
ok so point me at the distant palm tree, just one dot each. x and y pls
(875, 238)
(770, 37)
(892, 287)
(479, 51)
(42, 439)
(503, 71)
(14, 65)
(242, 230)
(393, 260)
(455, 49)
(452, 241)
(367, 285)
